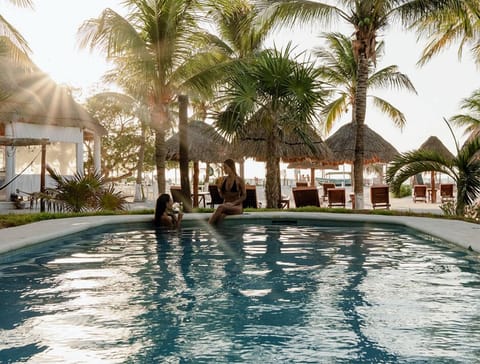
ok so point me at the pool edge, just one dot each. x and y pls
(457, 232)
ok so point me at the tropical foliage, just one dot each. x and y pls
(84, 192)
(338, 68)
(470, 119)
(14, 52)
(464, 169)
(278, 93)
(367, 18)
(159, 51)
(11, 41)
(455, 24)
(128, 148)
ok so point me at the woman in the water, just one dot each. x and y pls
(164, 215)
(232, 190)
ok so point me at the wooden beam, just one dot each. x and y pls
(23, 142)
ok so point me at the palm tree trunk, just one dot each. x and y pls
(139, 194)
(160, 157)
(360, 111)
(183, 151)
(272, 183)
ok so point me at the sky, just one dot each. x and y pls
(51, 31)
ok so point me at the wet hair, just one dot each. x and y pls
(161, 206)
(231, 164)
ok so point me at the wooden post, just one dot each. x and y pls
(183, 151)
(42, 176)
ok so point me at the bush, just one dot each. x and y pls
(85, 193)
(405, 190)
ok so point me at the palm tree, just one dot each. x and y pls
(277, 94)
(464, 169)
(10, 37)
(153, 48)
(368, 18)
(456, 24)
(339, 70)
(14, 52)
(471, 118)
(241, 35)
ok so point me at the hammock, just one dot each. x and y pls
(18, 175)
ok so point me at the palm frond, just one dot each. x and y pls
(391, 111)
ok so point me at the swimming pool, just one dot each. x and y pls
(260, 291)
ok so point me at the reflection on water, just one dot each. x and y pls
(241, 293)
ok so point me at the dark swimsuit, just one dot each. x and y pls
(234, 186)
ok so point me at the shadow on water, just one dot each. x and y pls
(368, 351)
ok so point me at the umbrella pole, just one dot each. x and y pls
(312, 177)
(434, 191)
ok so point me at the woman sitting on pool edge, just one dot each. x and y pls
(164, 215)
(232, 190)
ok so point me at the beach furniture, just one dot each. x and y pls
(325, 187)
(251, 200)
(336, 197)
(420, 193)
(446, 192)
(306, 196)
(215, 198)
(380, 197)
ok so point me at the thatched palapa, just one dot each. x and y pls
(376, 149)
(204, 144)
(292, 147)
(434, 144)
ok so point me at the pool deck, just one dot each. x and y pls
(460, 233)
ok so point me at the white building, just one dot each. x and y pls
(37, 111)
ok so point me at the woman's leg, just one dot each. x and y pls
(224, 210)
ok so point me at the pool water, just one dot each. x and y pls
(263, 292)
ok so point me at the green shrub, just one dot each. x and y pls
(81, 193)
(405, 190)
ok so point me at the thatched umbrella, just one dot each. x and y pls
(342, 145)
(435, 145)
(292, 148)
(204, 144)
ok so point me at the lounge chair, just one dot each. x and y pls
(325, 187)
(380, 197)
(215, 198)
(336, 197)
(306, 196)
(178, 196)
(420, 193)
(251, 200)
(284, 202)
(446, 192)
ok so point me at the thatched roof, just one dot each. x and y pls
(435, 144)
(292, 148)
(204, 144)
(342, 144)
(33, 97)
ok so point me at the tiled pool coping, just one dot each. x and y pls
(461, 233)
